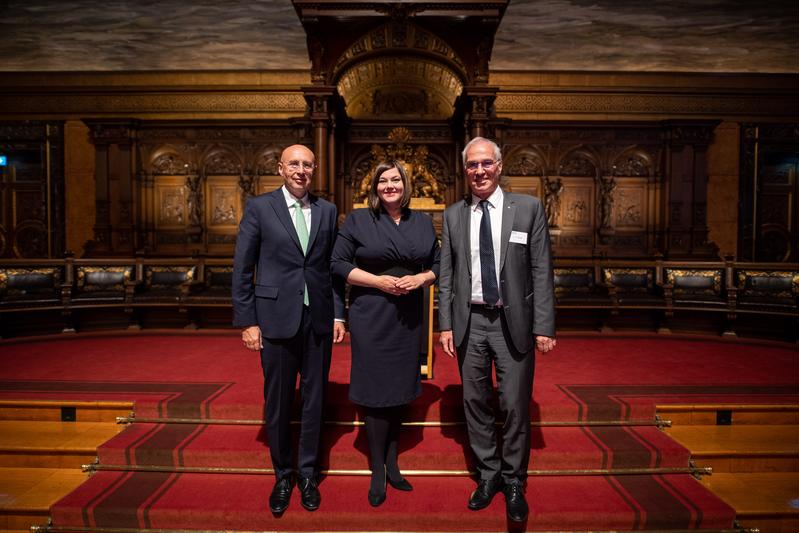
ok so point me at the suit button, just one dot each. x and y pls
(299, 292)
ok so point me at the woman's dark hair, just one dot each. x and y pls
(373, 200)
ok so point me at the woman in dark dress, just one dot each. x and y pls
(388, 254)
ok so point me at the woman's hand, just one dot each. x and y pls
(410, 283)
(388, 284)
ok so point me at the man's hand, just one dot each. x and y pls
(544, 344)
(251, 337)
(338, 331)
(445, 338)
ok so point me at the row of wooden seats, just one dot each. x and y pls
(671, 286)
(75, 283)
(726, 287)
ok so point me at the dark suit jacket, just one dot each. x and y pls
(267, 243)
(525, 278)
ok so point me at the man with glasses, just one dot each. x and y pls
(496, 306)
(284, 299)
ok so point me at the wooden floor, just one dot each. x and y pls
(755, 465)
(41, 457)
(755, 460)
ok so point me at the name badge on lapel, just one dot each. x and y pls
(519, 237)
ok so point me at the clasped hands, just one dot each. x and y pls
(399, 286)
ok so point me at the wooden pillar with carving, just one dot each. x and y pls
(687, 144)
(320, 100)
(115, 200)
(479, 102)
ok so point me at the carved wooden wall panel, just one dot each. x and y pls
(181, 189)
(620, 190)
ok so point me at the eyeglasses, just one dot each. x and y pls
(295, 165)
(487, 164)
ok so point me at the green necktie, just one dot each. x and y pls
(302, 233)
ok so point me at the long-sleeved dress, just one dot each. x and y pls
(385, 329)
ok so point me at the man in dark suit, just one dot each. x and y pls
(496, 304)
(284, 299)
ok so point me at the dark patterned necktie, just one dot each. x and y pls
(488, 271)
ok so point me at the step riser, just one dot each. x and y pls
(710, 417)
(346, 449)
(436, 504)
(23, 521)
(51, 414)
(45, 459)
(776, 524)
(748, 464)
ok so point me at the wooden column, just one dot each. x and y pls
(319, 100)
(687, 144)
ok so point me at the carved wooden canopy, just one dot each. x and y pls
(391, 58)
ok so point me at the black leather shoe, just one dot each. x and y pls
(402, 484)
(309, 493)
(484, 493)
(515, 503)
(281, 495)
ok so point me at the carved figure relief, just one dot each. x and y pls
(578, 201)
(221, 163)
(632, 166)
(524, 165)
(553, 188)
(578, 166)
(169, 164)
(606, 187)
(172, 208)
(224, 208)
(629, 210)
(267, 163)
(193, 199)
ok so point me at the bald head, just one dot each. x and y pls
(296, 167)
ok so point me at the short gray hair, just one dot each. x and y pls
(497, 151)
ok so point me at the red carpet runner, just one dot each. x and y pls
(597, 460)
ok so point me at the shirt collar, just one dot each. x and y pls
(291, 199)
(495, 200)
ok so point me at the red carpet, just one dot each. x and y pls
(581, 390)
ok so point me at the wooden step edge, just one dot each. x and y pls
(83, 404)
(737, 454)
(40, 450)
(430, 423)
(683, 408)
(97, 467)
(55, 529)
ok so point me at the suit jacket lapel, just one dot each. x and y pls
(507, 225)
(466, 226)
(281, 209)
(316, 220)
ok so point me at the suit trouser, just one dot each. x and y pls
(488, 342)
(307, 354)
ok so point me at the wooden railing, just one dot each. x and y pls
(593, 293)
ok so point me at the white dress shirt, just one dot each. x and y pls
(495, 203)
(306, 207)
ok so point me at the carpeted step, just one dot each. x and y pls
(238, 502)
(421, 448)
